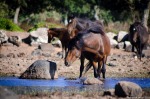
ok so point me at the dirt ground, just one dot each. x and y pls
(15, 60)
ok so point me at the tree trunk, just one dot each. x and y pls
(16, 15)
(146, 15)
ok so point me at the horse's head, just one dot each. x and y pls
(73, 52)
(71, 26)
(50, 35)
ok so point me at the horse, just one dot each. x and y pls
(138, 36)
(93, 46)
(78, 24)
(62, 34)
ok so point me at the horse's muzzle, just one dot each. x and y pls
(67, 64)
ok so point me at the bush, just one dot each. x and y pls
(7, 24)
(45, 24)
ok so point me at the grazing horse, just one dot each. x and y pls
(63, 36)
(78, 24)
(93, 46)
(138, 37)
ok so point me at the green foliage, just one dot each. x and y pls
(7, 24)
(3, 9)
(45, 24)
(105, 15)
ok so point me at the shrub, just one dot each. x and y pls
(7, 24)
(45, 24)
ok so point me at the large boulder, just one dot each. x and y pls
(7, 94)
(3, 37)
(41, 69)
(130, 89)
(92, 81)
(122, 36)
(113, 43)
(39, 36)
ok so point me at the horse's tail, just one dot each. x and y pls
(88, 66)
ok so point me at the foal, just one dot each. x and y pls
(63, 35)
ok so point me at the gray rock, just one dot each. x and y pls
(120, 45)
(39, 36)
(130, 89)
(7, 94)
(113, 43)
(111, 35)
(46, 47)
(36, 52)
(92, 81)
(41, 69)
(15, 40)
(122, 36)
(3, 37)
(128, 46)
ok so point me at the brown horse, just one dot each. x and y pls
(63, 36)
(138, 36)
(93, 46)
(78, 24)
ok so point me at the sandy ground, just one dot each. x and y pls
(15, 60)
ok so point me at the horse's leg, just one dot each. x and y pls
(88, 66)
(104, 66)
(82, 58)
(132, 48)
(95, 70)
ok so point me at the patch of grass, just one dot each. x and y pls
(7, 24)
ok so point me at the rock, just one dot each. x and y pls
(36, 52)
(3, 37)
(128, 46)
(7, 94)
(38, 36)
(57, 43)
(92, 81)
(113, 43)
(15, 40)
(120, 45)
(130, 89)
(122, 36)
(111, 35)
(41, 69)
(46, 47)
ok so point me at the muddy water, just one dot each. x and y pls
(32, 85)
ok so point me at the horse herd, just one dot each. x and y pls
(86, 39)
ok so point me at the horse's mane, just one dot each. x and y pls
(57, 29)
(87, 25)
(139, 27)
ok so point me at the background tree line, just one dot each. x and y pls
(106, 10)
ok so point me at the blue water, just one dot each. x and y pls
(61, 82)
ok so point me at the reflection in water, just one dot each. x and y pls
(67, 85)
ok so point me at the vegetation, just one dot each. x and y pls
(7, 24)
(31, 12)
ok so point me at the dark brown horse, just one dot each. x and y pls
(93, 46)
(78, 24)
(138, 37)
(63, 36)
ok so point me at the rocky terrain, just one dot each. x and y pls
(15, 60)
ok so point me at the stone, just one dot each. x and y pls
(122, 36)
(3, 37)
(113, 43)
(128, 46)
(92, 81)
(111, 35)
(15, 40)
(46, 47)
(128, 89)
(41, 69)
(39, 36)
(120, 45)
